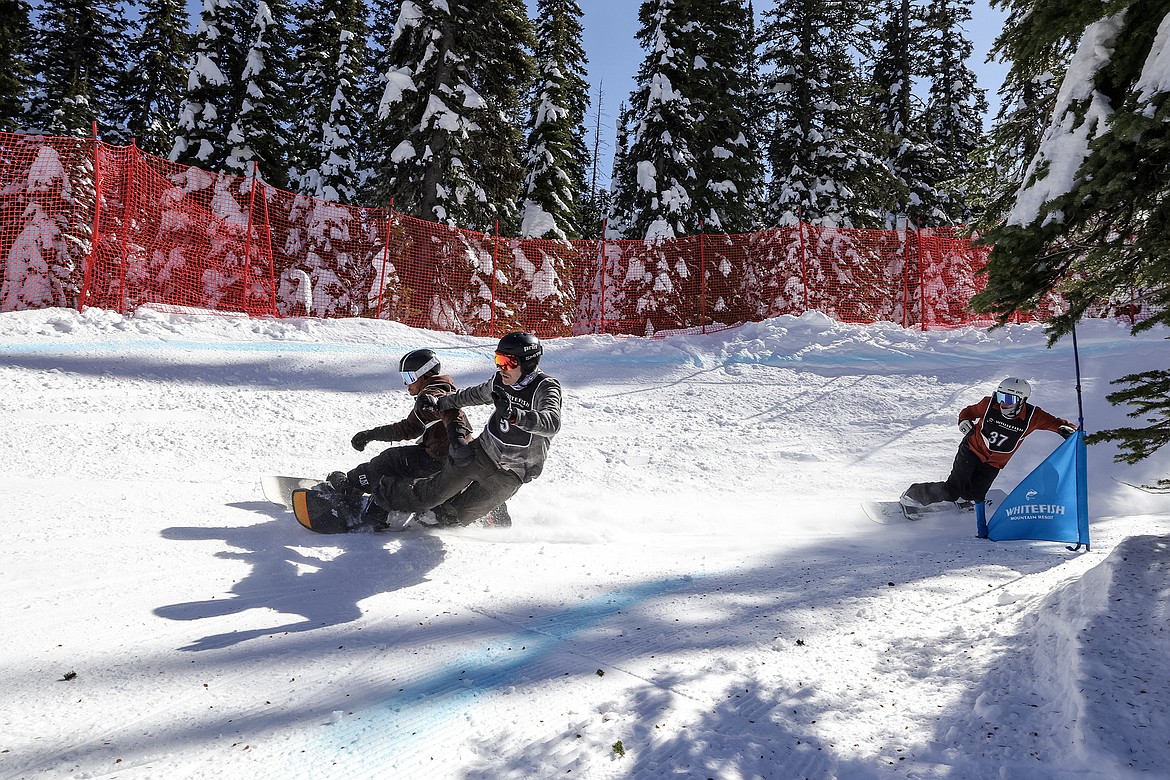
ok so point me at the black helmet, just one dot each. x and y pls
(524, 347)
(417, 364)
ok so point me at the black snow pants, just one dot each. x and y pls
(410, 461)
(970, 479)
(462, 492)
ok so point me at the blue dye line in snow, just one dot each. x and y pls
(864, 357)
(373, 740)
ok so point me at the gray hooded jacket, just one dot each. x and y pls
(519, 447)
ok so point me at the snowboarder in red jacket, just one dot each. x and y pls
(993, 430)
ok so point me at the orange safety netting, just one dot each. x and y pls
(83, 223)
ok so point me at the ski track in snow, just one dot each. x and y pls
(692, 576)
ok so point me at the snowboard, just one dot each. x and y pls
(279, 490)
(892, 512)
(328, 513)
(325, 512)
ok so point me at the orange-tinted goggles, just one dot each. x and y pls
(506, 362)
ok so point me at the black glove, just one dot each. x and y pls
(426, 405)
(965, 426)
(1066, 430)
(361, 439)
(459, 440)
(504, 406)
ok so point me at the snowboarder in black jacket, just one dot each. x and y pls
(421, 373)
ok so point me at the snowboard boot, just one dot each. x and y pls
(910, 507)
(375, 518)
(349, 508)
(339, 481)
(426, 519)
(497, 518)
(437, 517)
(379, 519)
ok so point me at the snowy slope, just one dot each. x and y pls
(691, 577)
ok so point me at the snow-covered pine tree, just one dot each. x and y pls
(213, 97)
(383, 14)
(622, 179)
(955, 106)
(556, 154)
(1037, 56)
(659, 193)
(910, 156)
(504, 38)
(391, 243)
(821, 159)
(43, 265)
(78, 55)
(156, 78)
(259, 132)
(551, 204)
(1090, 222)
(330, 73)
(653, 197)
(725, 97)
(457, 74)
(15, 52)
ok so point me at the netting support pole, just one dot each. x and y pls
(385, 259)
(495, 275)
(1077, 364)
(601, 274)
(922, 278)
(87, 274)
(904, 249)
(248, 238)
(129, 204)
(803, 257)
(271, 256)
(702, 281)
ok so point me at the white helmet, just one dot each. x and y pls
(1011, 394)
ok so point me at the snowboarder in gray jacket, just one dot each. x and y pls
(486, 471)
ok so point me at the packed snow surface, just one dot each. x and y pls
(690, 590)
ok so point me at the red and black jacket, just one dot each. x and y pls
(995, 438)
